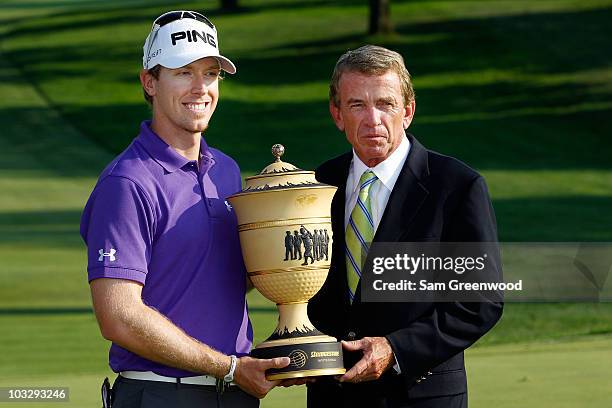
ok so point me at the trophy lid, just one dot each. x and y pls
(280, 175)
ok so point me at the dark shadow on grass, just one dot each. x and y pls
(500, 124)
(551, 42)
(245, 131)
(98, 12)
(29, 60)
(50, 228)
(533, 43)
(63, 4)
(45, 311)
(39, 139)
(540, 219)
(485, 138)
(92, 14)
(555, 219)
(85, 20)
(536, 134)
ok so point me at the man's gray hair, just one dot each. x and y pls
(371, 60)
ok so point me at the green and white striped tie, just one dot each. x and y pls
(359, 233)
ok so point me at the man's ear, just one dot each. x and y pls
(336, 115)
(147, 80)
(409, 114)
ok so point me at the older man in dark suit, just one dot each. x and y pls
(392, 189)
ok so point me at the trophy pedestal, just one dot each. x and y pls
(311, 352)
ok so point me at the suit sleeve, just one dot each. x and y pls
(452, 327)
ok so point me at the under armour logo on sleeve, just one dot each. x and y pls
(110, 254)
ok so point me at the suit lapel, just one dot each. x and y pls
(339, 268)
(407, 196)
(335, 173)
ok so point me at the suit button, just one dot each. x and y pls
(351, 336)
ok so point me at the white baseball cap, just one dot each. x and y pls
(178, 38)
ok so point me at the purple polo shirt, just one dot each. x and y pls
(155, 218)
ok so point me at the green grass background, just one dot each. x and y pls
(520, 90)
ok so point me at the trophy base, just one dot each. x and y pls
(310, 356)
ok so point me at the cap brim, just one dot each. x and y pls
(226, 65)
(186, 59)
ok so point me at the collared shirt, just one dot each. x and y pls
(158, 219)
(387, 172)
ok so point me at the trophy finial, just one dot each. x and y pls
(277, 151)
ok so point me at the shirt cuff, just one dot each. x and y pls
(396, 366)
(117, 273)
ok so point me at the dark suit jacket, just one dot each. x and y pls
(435, 198)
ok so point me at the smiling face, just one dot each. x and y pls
(184, 99)
(372, 113)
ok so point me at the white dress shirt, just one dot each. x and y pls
(387, 172)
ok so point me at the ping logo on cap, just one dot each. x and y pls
(192, 36)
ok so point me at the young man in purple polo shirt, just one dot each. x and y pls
(167, 279)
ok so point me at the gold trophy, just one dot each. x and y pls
(285, 230)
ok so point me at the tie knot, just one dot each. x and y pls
(367, 178)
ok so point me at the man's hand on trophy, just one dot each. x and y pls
(377, 358)
(251, 374)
